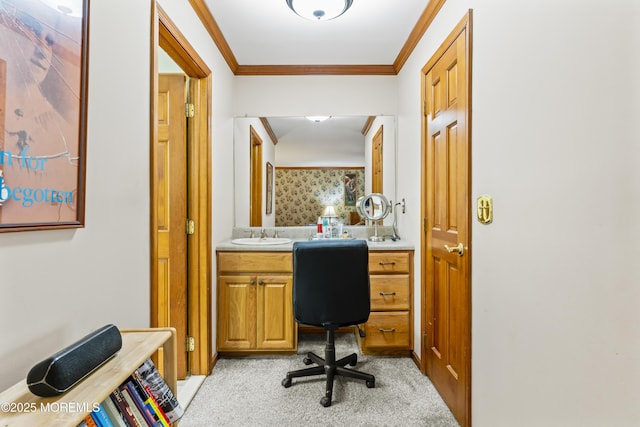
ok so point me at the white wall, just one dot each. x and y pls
(555, 142)
(315, 95)
(57, 286)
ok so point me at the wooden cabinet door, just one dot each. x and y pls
(236, 312)
(275, 326)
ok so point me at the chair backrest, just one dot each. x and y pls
(331, 282)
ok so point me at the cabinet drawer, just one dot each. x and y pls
(387, 329)
(390, 292)
(388, 262)
(259, 262)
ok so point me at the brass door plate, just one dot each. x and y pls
(485, 209)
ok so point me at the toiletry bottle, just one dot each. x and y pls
(319, 228)
(326, 233)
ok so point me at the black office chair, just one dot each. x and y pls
(330, 289)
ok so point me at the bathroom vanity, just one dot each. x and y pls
(254, 297)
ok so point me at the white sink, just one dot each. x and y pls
(257, 241)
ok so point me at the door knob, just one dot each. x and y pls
(459, 249)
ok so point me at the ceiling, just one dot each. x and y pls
(341, 134)
(265, 37)
(259, 37)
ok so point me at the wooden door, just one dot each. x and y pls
(275, 324)
(446, 286)
(256, 180)
(171, 189)
(236, 312)
(376, 162)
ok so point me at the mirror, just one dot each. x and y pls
(316, 164)
(374, 207)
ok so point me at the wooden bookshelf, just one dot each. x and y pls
(20, 407)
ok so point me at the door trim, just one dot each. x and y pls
(164, 33)
(255, 153)
(464, 25)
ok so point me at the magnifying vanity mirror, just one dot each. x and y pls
(288, 170)
(374, 207)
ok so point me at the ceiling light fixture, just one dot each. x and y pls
(319, 10)
(318, 119)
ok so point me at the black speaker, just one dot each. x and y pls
(60, 372)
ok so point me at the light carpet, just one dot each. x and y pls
(246, 391)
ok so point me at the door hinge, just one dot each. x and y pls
(424, 340)
(191, 344)
(424, 225)
(424, 108)
(191, 226)
(189, 110)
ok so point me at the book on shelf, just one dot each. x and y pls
(89, 421)
(127, 412)
(148, 400)
(114, 414)
(143, 400)
(140, 418)
(139, 402)
(161, 391)
(100, 417)
(153, 406)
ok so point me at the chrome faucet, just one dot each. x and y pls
(263, 234)
(275, 233)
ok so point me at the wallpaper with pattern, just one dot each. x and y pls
(302, 194)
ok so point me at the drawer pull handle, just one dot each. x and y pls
(261, 282)
(252, 282)
(387, 330)
(385, 294)
(387, 263)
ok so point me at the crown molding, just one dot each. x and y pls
(416, 34)
(212, 28)
(427, 17)
(297, 70)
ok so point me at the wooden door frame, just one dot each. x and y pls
(165, 34)
(377, 177)
(255, 180)
(464, 25)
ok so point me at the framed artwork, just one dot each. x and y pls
(350, 189)
(269, 188)
(43, 98)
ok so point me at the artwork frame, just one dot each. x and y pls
(269, 189)
(44, 57)
(350, 188)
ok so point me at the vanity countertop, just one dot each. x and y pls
(387, 245)
(303, 233)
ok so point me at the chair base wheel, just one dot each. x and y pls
(325, 401)
(287, 382)
(371, 384)
(307, 361)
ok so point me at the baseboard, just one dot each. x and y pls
(213, 361)
(417, 361)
